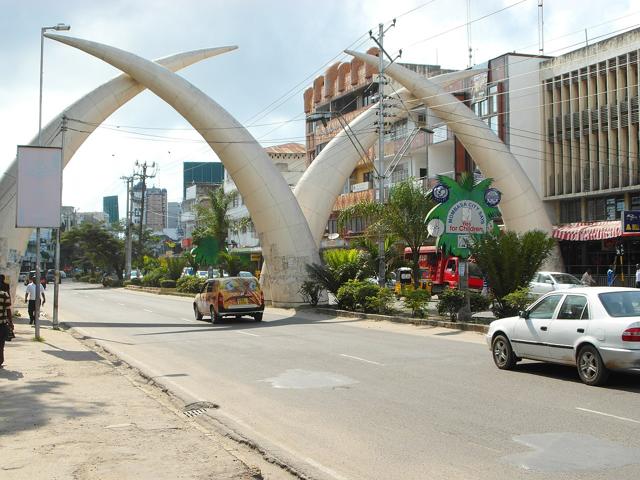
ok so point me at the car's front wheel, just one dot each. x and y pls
(591, 367)
(503, 355)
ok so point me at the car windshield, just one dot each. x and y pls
(621, 304)
(566, 279)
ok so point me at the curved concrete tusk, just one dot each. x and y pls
(86, 113)
(521, 205)
(286, 241)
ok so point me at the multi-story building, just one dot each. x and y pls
(345, 91)
(590, 168)
(155, 209)
(110, 207)
(201, 173)
(174, 209)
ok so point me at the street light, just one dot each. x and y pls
(58, 27)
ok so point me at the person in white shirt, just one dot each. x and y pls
(637, 275)
(30, 295)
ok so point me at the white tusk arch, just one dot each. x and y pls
(91, 110)
(322, 183)
(521, 205)
(286, 241)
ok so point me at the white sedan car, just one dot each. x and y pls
(545, 282)
(595, 328)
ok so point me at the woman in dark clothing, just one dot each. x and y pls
(6, 332)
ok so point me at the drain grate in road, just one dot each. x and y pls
(195, 412)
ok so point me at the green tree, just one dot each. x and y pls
(510, 261)
(232, 263)
(338, 267)
(212, 218)
(92, 246)
(402, 216)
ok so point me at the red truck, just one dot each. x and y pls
(443, 270)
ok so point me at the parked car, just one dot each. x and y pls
(23, 277)
(136, 274)
(229, 296)
(187, 271)
(51, 275)
(596, 329)
(202, 273)
(244, 274)
(545, 282)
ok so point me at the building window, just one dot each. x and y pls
(570, 211)
(368, 177)
(493, 124)
(332, 226)
(605, 208)
(235, 202)
(399, 174)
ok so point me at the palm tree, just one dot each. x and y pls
(403, 216)
(212, 217)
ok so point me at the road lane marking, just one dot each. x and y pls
(247, 333)
(362, 359)
(147, 310)
(608, 415)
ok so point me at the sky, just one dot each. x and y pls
(283, 46)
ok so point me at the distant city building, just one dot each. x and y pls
(174, 209)
(110, 207)
(155, 209)
(91, 217)
(203, 173)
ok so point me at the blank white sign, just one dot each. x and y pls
(39, 187)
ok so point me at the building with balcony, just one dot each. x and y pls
(155, 209)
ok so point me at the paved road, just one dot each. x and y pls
(348, 399)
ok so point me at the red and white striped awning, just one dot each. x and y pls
(583, 231)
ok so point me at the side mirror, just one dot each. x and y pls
(524, 314)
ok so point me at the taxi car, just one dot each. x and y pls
(229, 296)
(597, 329)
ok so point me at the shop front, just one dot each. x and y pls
(598, 245)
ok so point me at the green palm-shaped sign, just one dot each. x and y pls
(465, 208)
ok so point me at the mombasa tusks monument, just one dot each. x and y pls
(289, 223)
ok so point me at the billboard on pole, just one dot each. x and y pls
(39, 187)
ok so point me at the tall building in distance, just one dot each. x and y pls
(155, 215)
(110, 207)
(201, 173)
(174, 209)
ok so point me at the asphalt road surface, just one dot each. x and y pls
(351, 399)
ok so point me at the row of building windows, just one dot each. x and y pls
(600, 208)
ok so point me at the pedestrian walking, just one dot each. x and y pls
(637, 275)
(30, 296)
(6, 333)
(611, 276)
(587, 279)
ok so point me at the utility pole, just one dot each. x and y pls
(128, 227)
(381, 131)
(56, 266)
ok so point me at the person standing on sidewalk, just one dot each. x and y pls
(5, 318)
(637, 275)
(30, 296)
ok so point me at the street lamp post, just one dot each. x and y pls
(58, 27)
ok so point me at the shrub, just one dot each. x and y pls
(168, 283)
(478, 302)
(154, 277)
(111, 282)
(85, 278)
(190, 284)
(417, 301)
(450, 302)
(381, 302)
(513, 303)
(135, 281)
(353, 294)
(310, 292)
(126, 283)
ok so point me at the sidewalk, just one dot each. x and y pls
(66, 412)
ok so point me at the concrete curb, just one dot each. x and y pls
(160, 291)
(471, 327)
